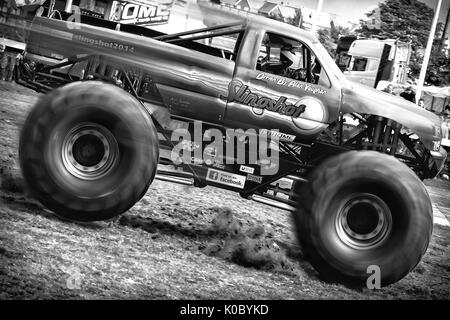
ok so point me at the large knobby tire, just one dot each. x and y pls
(88, 151)
(361, 209)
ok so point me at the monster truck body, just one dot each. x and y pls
(183, 79)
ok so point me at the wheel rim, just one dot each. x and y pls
(89, 151)
(364, 221)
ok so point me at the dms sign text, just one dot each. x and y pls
(152, 12)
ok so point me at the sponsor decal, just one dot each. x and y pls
(281, 136)
(196, 161)
(246, 169)
(314, 116)
(225, 178)
(291, 83)
(141, 12)
(254, 178)
(179, 102)
(218, 165)
(90, 13)
(239, 147)
(208, 162)
(189, 145)
(238, 92)
(104, 44)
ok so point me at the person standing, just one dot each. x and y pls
(421, 103)
(446, 111)
(19, 60)
(409, 94)
(389, 89)
(3, 62)
(11, 66)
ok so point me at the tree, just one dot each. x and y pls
(408, 20)
(329, 37)
(438, 71)
(324, 36)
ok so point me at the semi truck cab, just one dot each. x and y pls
(373, 60)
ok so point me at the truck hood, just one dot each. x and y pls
(365, 100)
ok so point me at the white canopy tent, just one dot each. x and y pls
(435, 98)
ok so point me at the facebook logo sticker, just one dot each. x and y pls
(213, 175)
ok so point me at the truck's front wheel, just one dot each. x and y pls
(363, 213)
(88, 151)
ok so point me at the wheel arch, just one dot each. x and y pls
(422, 122)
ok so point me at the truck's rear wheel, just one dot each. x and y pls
(88, 151)
(362, 209)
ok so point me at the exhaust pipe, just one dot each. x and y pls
(273, 203)
(179, 177)
(182, 181)
(171, 173)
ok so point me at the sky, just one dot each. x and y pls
(350, 10)
(355, 9)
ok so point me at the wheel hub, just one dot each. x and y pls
(89, 151)
(363, 221)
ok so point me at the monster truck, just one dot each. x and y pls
(118, 103)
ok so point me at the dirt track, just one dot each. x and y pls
(176, 243)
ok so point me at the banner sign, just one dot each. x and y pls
(142, 13)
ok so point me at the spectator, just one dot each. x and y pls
(433, 79)
(3, 62)
(409, 94)
(421, 103)
(19, 61)
(389, 89)
(446, 112)
(11, 67)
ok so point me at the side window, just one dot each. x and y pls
(359, 64)
(290, 58)
(223, 45)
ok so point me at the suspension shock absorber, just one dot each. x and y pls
(395, 137)
(387, 139)
(389, 136)
(378, 129)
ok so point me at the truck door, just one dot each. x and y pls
(193, 82)
(279, 83)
